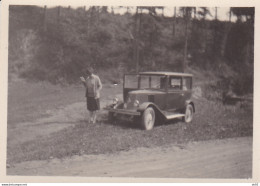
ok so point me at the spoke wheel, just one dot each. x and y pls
(148, 118)
(188, 114)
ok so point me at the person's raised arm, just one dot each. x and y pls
(83, 81)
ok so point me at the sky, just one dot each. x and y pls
(223, 12)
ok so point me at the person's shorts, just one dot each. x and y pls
(93, 104)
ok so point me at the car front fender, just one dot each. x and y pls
(190, 102)
(145, 105)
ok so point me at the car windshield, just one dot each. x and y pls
(146, 81)
(131, 81)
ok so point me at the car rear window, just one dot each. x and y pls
(175, 83)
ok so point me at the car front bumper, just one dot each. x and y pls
(124, 111)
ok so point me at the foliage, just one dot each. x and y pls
(57, 44)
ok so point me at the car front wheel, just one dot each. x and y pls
(148, 118)
(188, 114)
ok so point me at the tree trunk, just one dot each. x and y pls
(112, 9)
(187, 16)
(224, 40)
(89, 21)
(138, 41)
(216, 13)
(174, 23)
(58, 14)
(230, 14)
(97, 14)
(163, 11)
(44, 18)
(185, 47)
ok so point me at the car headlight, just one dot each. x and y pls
(115, 101)
(136, 103)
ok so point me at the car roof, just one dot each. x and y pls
(166, 73)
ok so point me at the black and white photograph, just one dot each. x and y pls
(130, 91)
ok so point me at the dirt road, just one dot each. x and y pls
(228, 158)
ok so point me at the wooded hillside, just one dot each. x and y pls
(57, 44)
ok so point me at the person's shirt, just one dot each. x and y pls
(93, 86)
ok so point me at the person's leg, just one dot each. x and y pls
(94, 116)
(90, 117)
(96, 111)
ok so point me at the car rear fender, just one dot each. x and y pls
(191, 103)
(145, 105)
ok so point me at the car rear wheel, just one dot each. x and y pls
(148, 118)
(188, 114)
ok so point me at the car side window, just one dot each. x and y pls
(175, 83)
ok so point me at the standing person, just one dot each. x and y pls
(93, 86)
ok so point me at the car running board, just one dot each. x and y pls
(170, 115)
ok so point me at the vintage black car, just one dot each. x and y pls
(152, 97)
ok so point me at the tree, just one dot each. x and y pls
(247, 12)
(186, 11)
(203, 12)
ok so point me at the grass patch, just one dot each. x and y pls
(29, 101)
(212, 121)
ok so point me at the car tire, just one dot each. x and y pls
(148, 119)
(188, 114)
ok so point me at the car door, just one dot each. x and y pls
(175, 93)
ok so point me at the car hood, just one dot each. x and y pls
(143, 96)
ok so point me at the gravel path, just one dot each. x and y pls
(228, 158)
